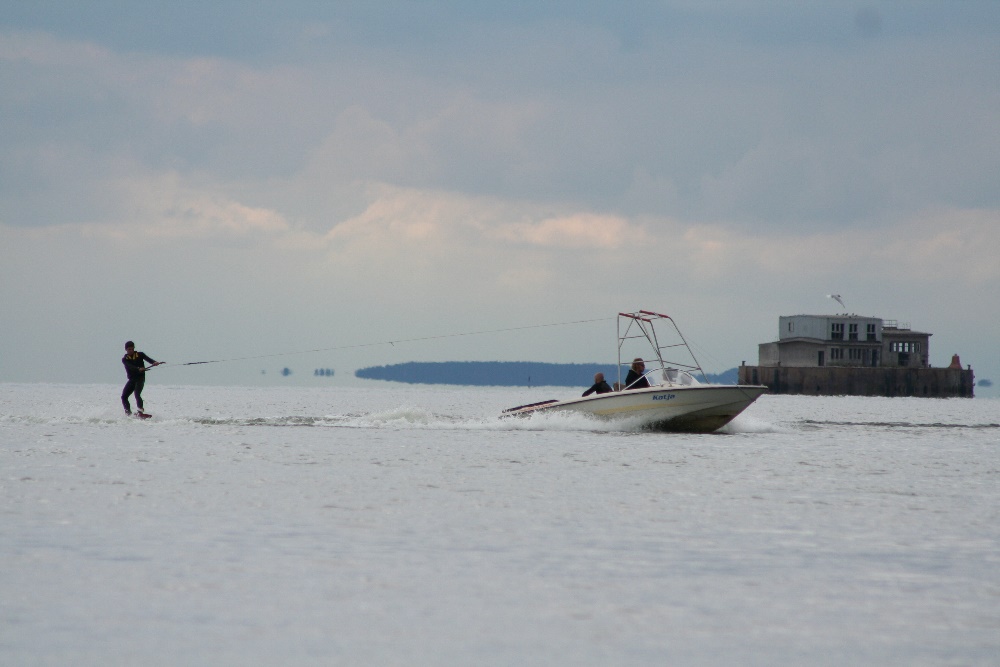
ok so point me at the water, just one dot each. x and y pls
(411, 526)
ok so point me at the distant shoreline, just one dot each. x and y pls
(503, 373)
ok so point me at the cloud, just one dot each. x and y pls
(45, 50)
(160, 207)
(882, 126)
(408, 216)
(581, 230)
(956, 247)
(203, 216)
(943, 247)
(868, 22)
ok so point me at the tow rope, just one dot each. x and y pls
(387, 342)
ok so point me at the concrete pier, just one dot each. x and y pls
(859, 381)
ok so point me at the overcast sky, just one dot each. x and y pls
(238, 179)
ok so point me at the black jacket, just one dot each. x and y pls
(633, 377)
(133, 362)
(601, 387)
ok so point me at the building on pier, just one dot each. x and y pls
(853, 355)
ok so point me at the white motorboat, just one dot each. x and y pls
(674, 399)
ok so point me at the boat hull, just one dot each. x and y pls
(690, 409)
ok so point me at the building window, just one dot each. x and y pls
(791, 326)
(836, 353)
(856, 354)
(907, 346)
(871, 332)
(852, 331)
(837, 331)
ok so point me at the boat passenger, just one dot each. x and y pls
(600, 386)
(635, 378)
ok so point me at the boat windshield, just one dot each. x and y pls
(673, 376)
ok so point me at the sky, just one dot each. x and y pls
(294, 183)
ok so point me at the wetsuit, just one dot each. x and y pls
(640, 380)
(601, 387)
(136, 378)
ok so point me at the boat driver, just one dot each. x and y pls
(636, 378)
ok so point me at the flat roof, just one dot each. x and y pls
(867, 317)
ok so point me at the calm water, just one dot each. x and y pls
(410, 526)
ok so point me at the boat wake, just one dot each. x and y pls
(402, 417)
(744, 423)
(899, 425)
(411, 417)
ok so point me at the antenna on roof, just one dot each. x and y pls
(836, 297)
